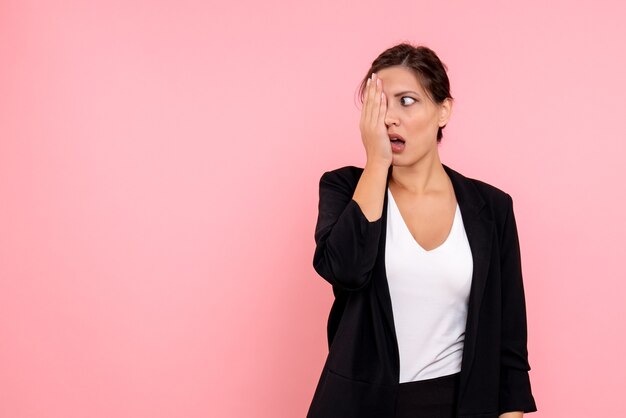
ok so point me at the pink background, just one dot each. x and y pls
(159, 166)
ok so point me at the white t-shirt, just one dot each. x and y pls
(429, 293)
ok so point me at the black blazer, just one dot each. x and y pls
(360, 377)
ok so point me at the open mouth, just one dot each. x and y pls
(397, 143)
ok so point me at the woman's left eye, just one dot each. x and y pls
(407, 97)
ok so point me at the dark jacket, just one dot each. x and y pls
(360, 377)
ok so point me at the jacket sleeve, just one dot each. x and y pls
(346, 241)
(515, 389)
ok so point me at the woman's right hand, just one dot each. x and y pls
(372, 124)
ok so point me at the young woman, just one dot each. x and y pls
(429, 316)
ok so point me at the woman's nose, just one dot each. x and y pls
(390, 118)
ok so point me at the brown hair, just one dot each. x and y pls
(424, 63)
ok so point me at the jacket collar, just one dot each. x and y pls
(479, 227)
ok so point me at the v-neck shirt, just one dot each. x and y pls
(429, 292)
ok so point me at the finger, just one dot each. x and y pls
(370, 96)
(365, 108)
(370, 121)
(383, 109)
(375, 99)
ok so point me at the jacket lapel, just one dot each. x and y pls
(479, 230)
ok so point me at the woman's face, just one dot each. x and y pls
(411, 113)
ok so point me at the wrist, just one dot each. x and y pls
(377, 165)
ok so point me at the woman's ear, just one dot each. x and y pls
(445, 111)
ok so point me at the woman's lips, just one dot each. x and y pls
(396, 136)
(397, 145)
(397, 142)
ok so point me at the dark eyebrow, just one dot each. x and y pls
(404, 92)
